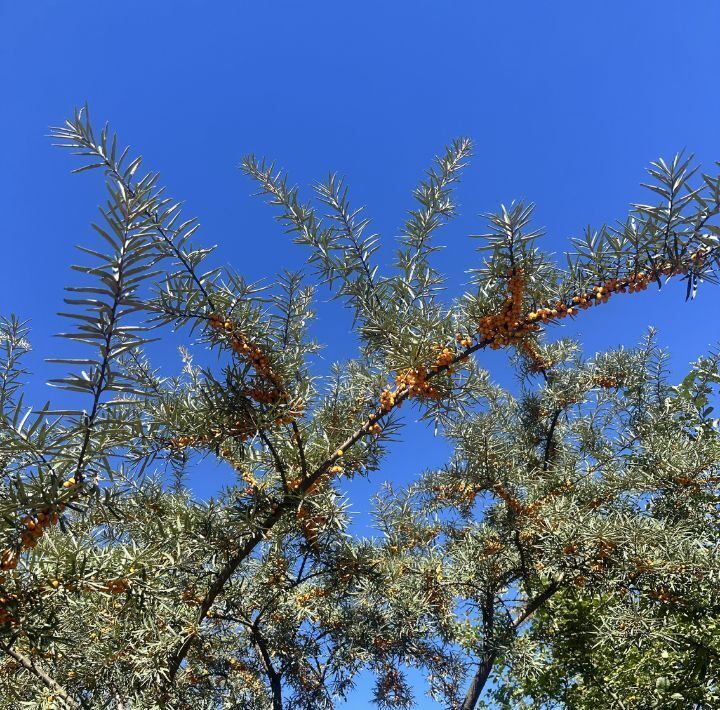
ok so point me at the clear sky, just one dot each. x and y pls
(567, 102)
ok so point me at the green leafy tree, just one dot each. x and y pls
(570, 545)
(578, 510)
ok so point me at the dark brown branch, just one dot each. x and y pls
(38, 672)
(491, 648)
(487, 657)
(301, 448)
(549, 442)
(274, 677)
(536, 603)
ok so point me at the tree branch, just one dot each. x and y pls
(491, 650)
(38, 672)
(548, 443)
(274, 676)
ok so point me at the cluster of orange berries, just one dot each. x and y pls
(313, 593)
(337, 467)
(464, 341)
(240, 430)
(514, 504)
(465, 491)
(644, 564)
(117, 586)
(605, 549)
(311, 523)
(600, 294)
(570, 548)
(507, 326)
(606, 381)
(415, 381)
(8, 561)
(531, 509)
(444, 358)
(278, 571)
(387, 400)
(113, 586)
(288, 418)
(381, 644)
(565, 487)
(247, 677)
(220, 323)
(599, 561)
(332, 470)
(182, 442)
(262, 396)
(538, 363)
(247, 476)
(686, 481)
(254, 355)
(698, 257)
(414, 536)
(33, 529)
(390, 683)
(432, 591)
(190, 596)
(295, 483)
(493, 548)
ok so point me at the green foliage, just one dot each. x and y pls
(567, 549)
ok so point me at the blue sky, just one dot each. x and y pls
(567, 103)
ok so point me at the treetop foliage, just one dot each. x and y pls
(568, 548)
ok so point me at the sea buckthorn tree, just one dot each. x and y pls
(570, 545)
(590, 490)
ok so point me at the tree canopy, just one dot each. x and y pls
(566, 553)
